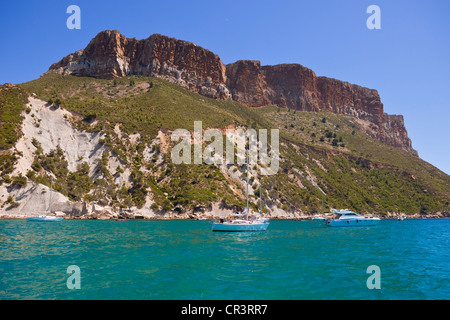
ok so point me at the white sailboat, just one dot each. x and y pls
(241, 225)
(47, 217)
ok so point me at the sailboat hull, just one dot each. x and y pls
(247, 226)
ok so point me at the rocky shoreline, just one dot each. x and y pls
(97, 212)
(34, 200)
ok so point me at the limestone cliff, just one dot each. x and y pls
(296, 87)
(110, 55)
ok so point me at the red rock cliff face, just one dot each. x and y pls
(247, 84)
(110, 55)
(296, 87)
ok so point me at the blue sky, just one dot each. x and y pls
(407, 61)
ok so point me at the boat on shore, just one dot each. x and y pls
(348, 218)
(47, 217)
(239, 224)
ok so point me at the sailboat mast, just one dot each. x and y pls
(51, 190)
(260, 199)
(323, 208)
(247, 186)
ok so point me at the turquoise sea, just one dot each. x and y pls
(183, 259)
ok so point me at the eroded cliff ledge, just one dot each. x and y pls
(111, 54)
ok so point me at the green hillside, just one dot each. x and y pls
(12, 104)
(319, 152)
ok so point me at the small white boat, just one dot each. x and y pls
(318, 217)
(242, 225)
(262, 219)
(347, 218)
(44, 217)
(401, 218)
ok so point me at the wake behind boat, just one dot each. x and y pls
(347, 218)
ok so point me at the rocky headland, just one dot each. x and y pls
(112, 55)
(128, 174)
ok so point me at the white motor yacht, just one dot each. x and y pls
(348, 218)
